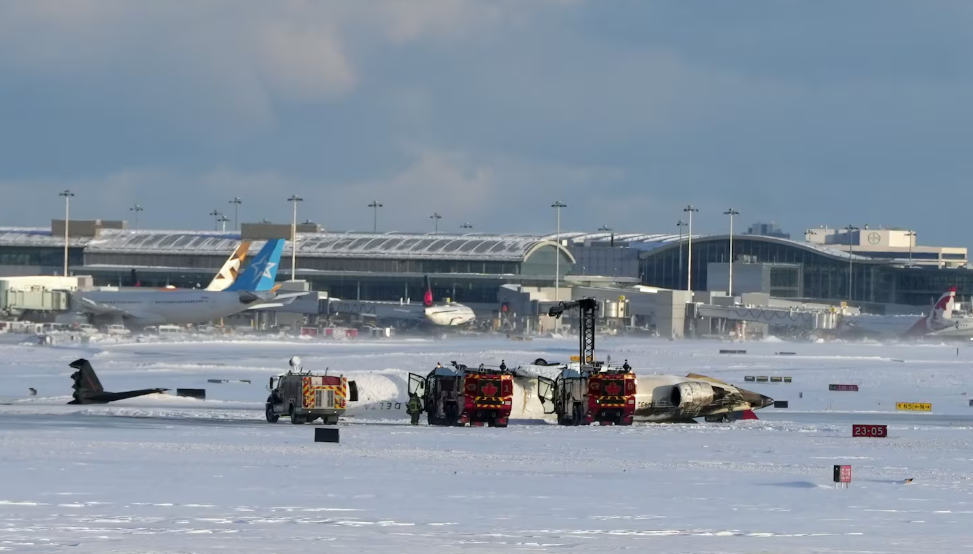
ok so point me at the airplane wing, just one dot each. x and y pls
(106, 308)
(287, 298)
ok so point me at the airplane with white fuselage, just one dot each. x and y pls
(660, 398)
(938, 323)
(253, 288)
(438, 314)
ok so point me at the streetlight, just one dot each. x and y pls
(295, 199)
(607, 229)
(557, 205)
(912, 242)
(680, 224)
(436, 217)
(236, 212)
(67, 194)
(466, 226)
(731, 212)
(223, 219)
(136, 208)
(689, 274)
(215, 214)
(376, 206)
(851, 255)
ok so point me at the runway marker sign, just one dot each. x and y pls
(852, 388)
(914, 406)
(842, 476)
(876, 431)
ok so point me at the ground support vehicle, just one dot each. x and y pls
(583, 395)
(305, 397)
(459, 395)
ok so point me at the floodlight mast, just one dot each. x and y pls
(588, 307)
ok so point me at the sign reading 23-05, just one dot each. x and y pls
(914, 406)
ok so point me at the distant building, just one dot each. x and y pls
(889, 244)
(767, 230)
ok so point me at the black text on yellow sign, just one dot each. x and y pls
(914, 406)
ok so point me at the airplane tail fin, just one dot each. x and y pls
(427, 298)
(231, 269)
(937, 316)
(86, 383)
(262, 271)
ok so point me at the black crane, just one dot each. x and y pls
(588, 307)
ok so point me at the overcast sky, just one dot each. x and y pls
(821, 112)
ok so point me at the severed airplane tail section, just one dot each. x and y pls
(88, 390)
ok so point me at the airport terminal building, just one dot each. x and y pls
(470, 268)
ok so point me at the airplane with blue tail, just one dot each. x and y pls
(253, 288)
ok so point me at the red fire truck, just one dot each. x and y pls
(582, 395)
(460, 395)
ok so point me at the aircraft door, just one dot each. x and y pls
(545, 393)
(417, 385)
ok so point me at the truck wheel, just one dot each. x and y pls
(295, 419)
(271, 416)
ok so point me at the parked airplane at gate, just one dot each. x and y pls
(939, 322)
(449, 313)
(251, 289)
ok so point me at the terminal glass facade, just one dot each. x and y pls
(824, 276)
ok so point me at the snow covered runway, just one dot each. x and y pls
(211, 476)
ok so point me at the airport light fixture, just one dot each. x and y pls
(680, 224)
(689, 273)
(607, 229)
(436, 217)
(912, 242)
(375, 206)
(466, 226)
(236, 212)
(215, 214)
(67, 194)
(136, 208)
(851, 256)
(295, 199)
(557, 205)
(731, 212)
(223, 219)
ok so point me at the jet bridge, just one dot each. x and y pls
(790, 317)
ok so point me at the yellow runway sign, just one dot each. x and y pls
(914, 406)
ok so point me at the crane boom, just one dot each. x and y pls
(588, 307)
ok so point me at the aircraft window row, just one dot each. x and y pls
(180, 302)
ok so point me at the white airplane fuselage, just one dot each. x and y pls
(163, 307)
(449, 315)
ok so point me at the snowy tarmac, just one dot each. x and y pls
(162, 474)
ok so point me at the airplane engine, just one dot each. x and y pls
(692, 395)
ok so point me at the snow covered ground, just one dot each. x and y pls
(165, 474)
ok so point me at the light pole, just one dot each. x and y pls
(607, 229)
(236, 212)
(295, 199)
(851, 255)
(680, 224)
(731, 212)
(136, 208)
(557, 205)
(912, 242)
(375, 205)
(67, 194)
(466, 226)
(216, 218)
(689, 273)
(223, 219)
(436, 217)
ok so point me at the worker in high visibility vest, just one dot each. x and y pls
(414, 408)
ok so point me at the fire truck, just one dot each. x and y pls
(588, 391)
(586, 394)
(304, 397)
(460, 395)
